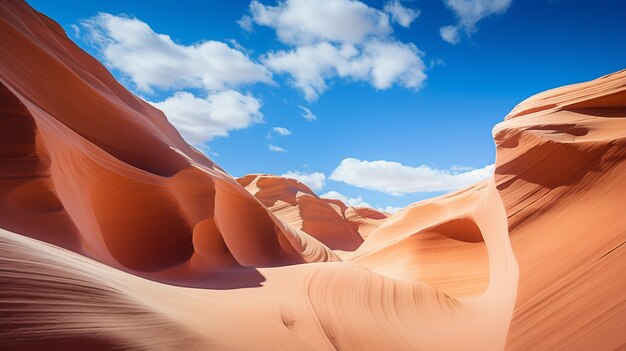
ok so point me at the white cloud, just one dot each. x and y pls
(457, 168)
(246, 23)
(275, 148)
(434, 63)
(303, 21)
(394, 62)
(390, 209)
(315, 181)
(468, 13)
(199, 120)
(450, 34)
(235, 44)
(307, 114)
(339, 39)
(282, 131)
(396, 179)
(400, 14)
(308, 66)
(382, 63)
(150, 59)
(358, 202)
(76, 30)
(350, 201)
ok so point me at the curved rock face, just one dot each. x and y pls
(101, 202)
(336, 225)
(561, 173)
(89, 167)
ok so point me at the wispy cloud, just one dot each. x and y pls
(246, 23)
(281, 131)
(307, 114)
(275, 148)
(436, 62)
(468, 14)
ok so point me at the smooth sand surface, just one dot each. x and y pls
(116, 234)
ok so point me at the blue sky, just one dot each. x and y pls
(400, 113)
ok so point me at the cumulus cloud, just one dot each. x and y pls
(307, 114)
(282, 131)
(202, 119)
(397, 179)
(150, 59)
(212, 69)
(394, 62)
(309, 66)
(305, 21)
(315, 181)
(350, 201)
(450, 34)
(275, 148)
(382, 63)
(402, 15)
(468, 14)
(339, 39)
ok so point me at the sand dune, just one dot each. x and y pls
(116, 234)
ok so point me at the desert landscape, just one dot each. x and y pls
(116, 234)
